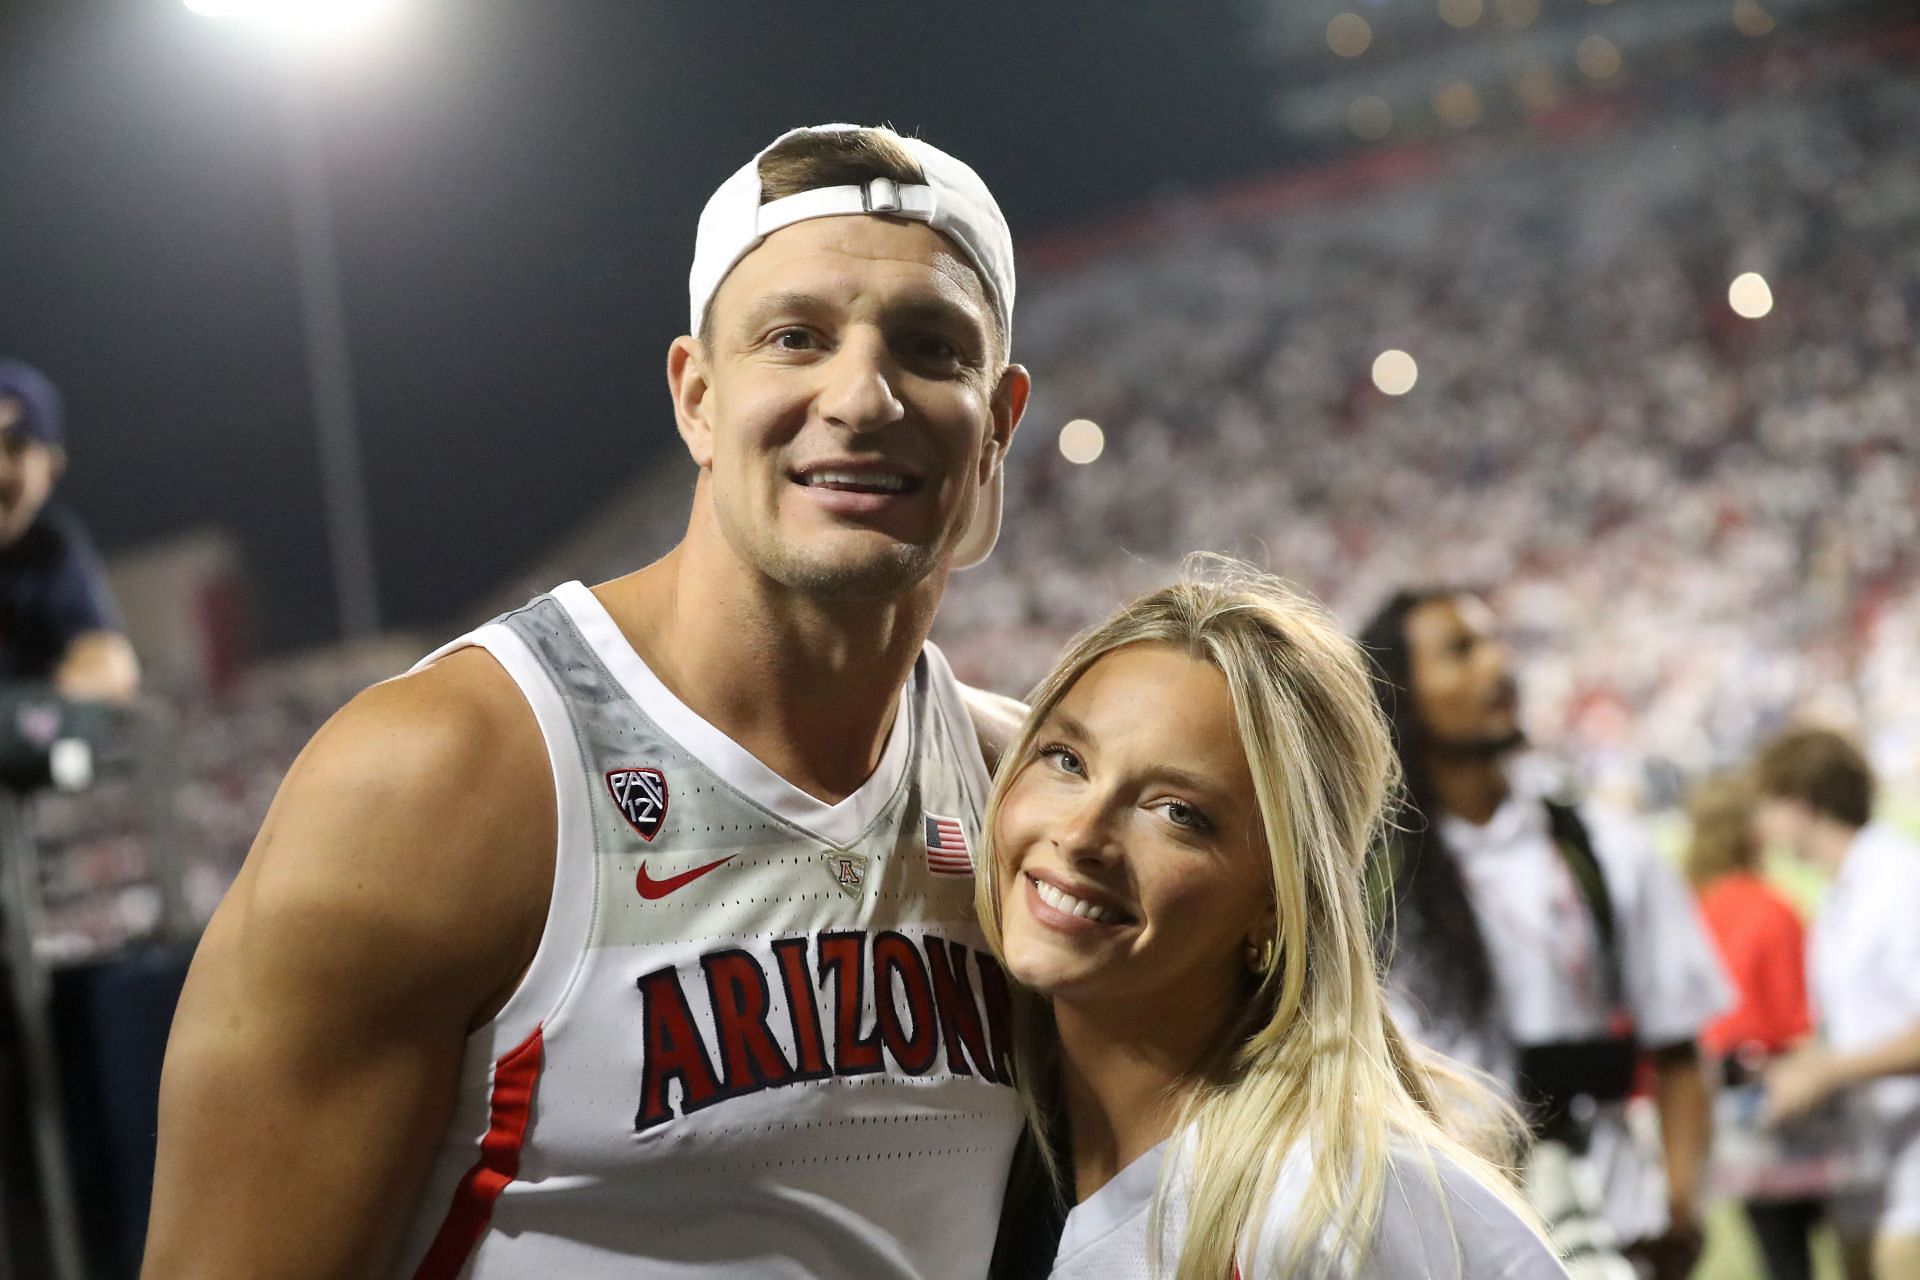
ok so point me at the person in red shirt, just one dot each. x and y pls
(1761, 938)
(1762, 944)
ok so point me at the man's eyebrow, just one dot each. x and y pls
(921, 309)
(786, 302)
(937, 309)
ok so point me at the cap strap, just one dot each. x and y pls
(914, 200)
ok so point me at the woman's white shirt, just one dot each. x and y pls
(1455, 1230)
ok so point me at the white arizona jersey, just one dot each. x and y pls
(761, 1036)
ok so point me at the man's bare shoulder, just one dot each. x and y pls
(996, 721)
(393, 897)
(453, 743)
(424, 806)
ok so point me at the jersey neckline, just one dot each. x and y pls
(1128, 1193)
(839, 824)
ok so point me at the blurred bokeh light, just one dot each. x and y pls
(1749, 295)
(1457, 105)
(1750, 19)
(1370, 117)
(1598, 58)
(1395, 372)
(1349, 35)
(1082, 441)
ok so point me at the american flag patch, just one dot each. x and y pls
(947, 851)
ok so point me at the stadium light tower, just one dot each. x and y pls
(323, 319)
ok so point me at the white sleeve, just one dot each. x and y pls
(1898, 893)
(1438, 1224)
(1673, 977)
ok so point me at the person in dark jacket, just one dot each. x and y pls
(58, 622)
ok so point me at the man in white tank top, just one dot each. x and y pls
(631, 934)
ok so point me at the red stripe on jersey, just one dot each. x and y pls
(511, 1105)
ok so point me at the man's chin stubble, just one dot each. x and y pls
(883, 576)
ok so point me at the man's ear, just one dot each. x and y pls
(1009, 403)
(690, 385)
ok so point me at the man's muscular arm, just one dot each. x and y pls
(391, 899)
(996, 721)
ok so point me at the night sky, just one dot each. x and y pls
(515, 191)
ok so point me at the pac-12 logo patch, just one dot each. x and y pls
(642, 797)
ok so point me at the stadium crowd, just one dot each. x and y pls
(1696, 524)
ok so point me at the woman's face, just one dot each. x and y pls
(1132, 871)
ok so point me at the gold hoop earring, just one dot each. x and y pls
(1260, 958)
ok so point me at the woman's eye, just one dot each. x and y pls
(1182, 814)
(1063, 759)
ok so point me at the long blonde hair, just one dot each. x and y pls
(1314, 1057)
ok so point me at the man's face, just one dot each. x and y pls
(850, 405)
(28, 469)
(1464, 691)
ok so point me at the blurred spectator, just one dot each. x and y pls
(1817, 800)
(1757, 931)
(1763, 948)
(57, 622)
(1543, 941)
(57, 625)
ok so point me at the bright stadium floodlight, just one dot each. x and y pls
(304, 17)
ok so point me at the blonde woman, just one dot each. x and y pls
(1175, 882)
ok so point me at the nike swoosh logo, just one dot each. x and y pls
(651, 889)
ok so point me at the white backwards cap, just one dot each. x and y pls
(953, 201)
